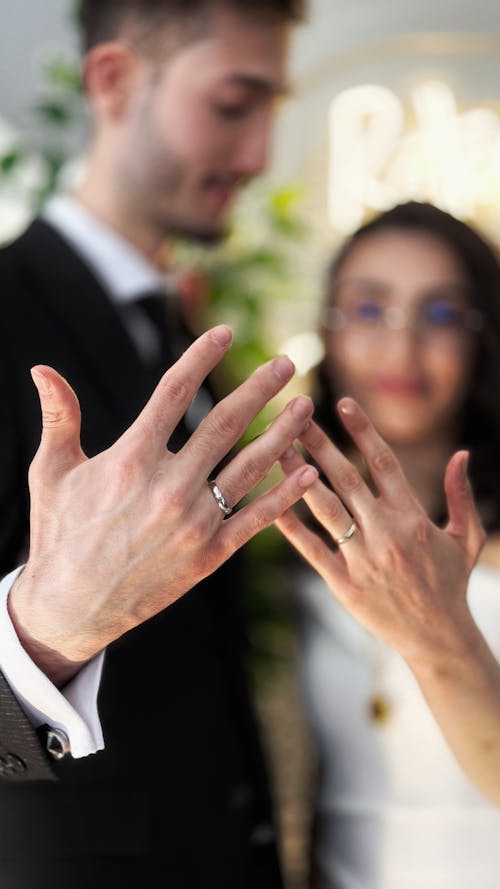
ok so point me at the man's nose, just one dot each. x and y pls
(254, 147)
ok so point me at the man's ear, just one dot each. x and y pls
(109, 74)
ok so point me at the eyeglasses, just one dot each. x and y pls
(430, 319)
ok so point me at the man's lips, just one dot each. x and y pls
(221, 191)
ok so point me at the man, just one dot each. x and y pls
(181, 97)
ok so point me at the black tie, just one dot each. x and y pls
(154, 307)
(173, 339)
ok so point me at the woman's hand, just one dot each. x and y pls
(401, 576)
(406, 580)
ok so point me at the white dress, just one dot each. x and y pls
(394, 809)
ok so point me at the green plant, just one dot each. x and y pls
(30, 165)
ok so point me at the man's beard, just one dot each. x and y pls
(173, 226)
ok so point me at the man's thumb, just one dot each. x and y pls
(60, 443)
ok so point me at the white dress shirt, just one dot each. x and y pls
(123, 273)
(394, 809)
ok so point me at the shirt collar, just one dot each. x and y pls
(121, 269)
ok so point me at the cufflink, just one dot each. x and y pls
(57, 743)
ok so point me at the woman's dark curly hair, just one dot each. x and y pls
(480, 424)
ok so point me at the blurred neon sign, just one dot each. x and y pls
(382, 153)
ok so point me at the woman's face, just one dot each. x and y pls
(397, 337)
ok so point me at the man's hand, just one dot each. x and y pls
(401, 576)
(117, 538)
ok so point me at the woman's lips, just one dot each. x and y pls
(398, 386)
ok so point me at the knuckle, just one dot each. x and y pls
(175, 500)
(53, 417)
(384, 461)
(349, 480)
(224, 424)
(175, 390)
(422, 531)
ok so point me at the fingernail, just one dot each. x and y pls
(41, 382)
(222, 335)
(308, 476)
(302, 407)
(347, 407)
(283, 368)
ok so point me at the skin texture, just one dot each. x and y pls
(117, 538)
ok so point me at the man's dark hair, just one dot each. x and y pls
(103, 20)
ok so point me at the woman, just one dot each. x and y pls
(412, 332)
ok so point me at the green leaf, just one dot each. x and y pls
(10, 160)
(55, 112)
(64, 74)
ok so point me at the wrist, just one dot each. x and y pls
(447, 652)
(59, 666)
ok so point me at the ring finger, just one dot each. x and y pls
(253, 463)
(324, 504)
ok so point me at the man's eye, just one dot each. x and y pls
(442, 314)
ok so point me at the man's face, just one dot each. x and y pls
(198, 126)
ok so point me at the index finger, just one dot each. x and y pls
(177, 388)
(383, 465)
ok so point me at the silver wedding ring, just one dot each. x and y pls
(347, 536)
(220, 499)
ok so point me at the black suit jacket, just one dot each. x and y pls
(176, 797)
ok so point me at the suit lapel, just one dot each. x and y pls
(85, 311)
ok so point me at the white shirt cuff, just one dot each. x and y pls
(74, 710)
